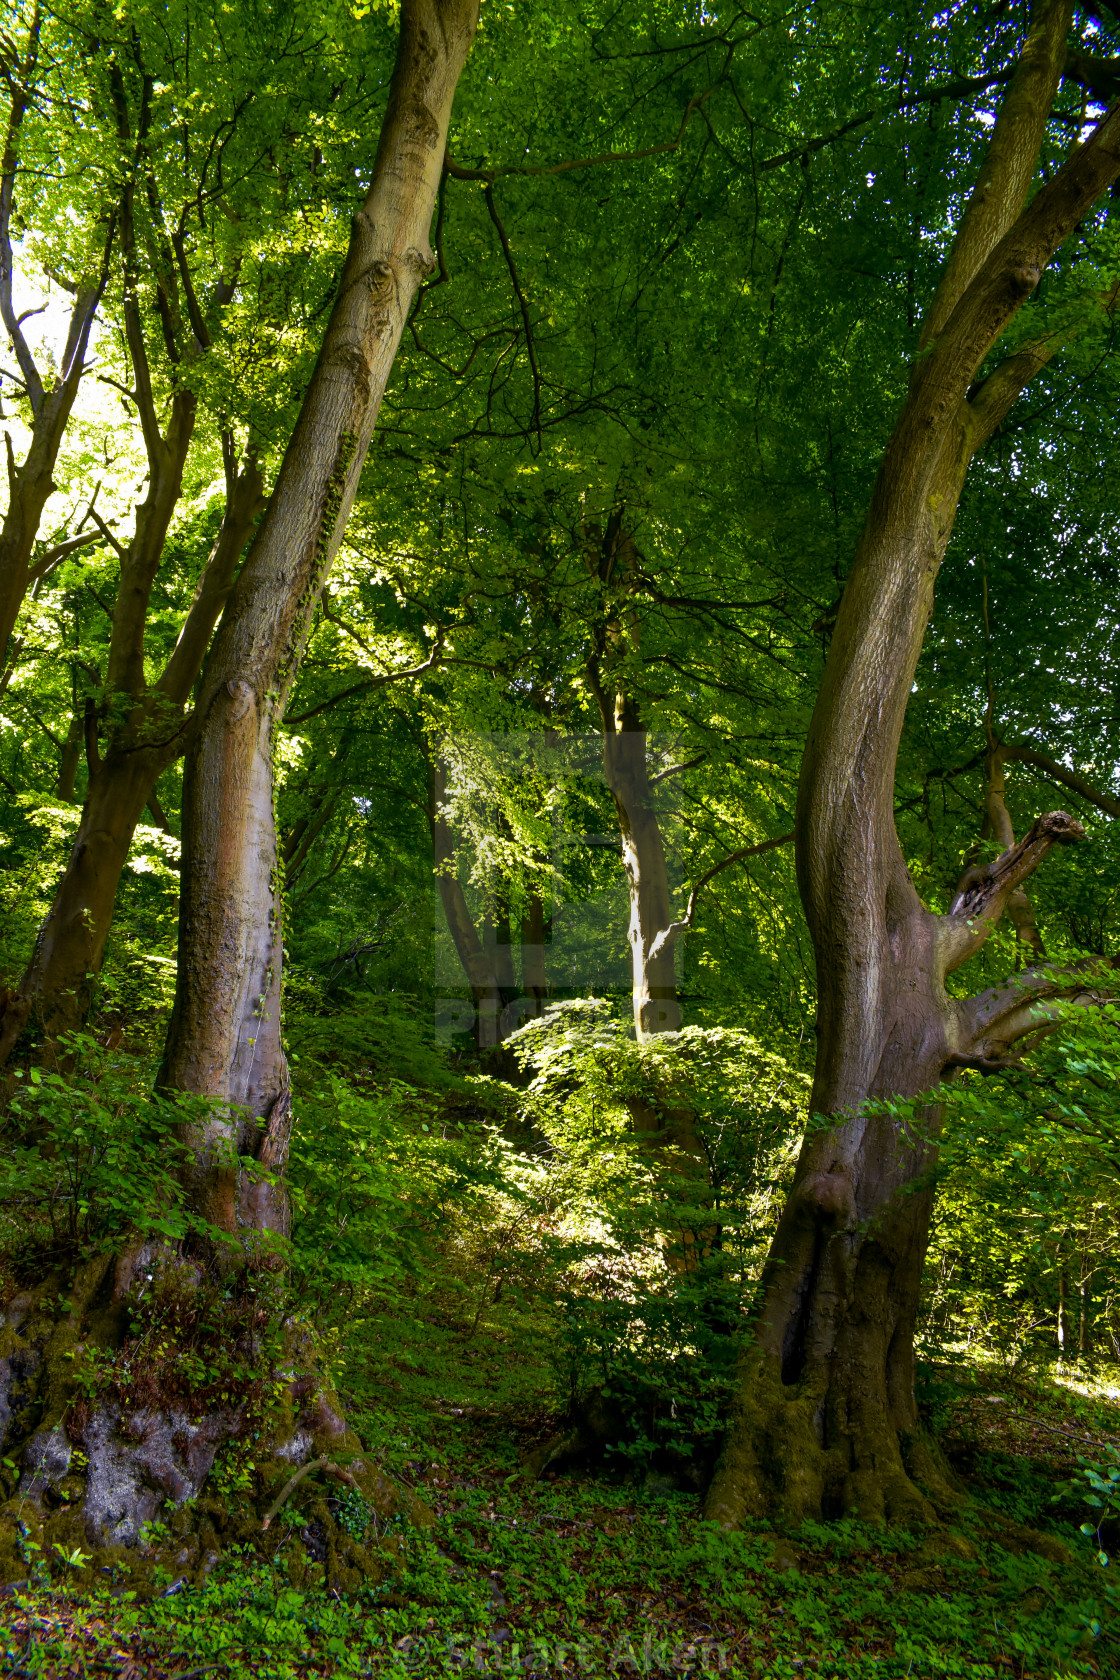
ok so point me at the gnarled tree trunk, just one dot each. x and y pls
(825, 1420)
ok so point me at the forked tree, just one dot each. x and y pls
(825, 1419)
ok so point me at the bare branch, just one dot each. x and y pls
(54, 556)
(984, 890)
(675, 929)
(490, 175)
(1025, 753)
(1101, 76)
(530, 345)
(982, 1064)
(676, 769)
(433, 659)
(106, 533)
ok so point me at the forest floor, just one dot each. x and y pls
(606, 1574)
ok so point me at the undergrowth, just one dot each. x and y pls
(480, 1264)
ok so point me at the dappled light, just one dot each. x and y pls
(559, 795)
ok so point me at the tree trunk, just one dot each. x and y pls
(653, 967)
(57, 988)
(825, 1418)
(69, 759)
(71, 944)
(31, 483)
(1065, 1336)
(612, 556)
(534, 969)
(1085, 1318)
(224, 1036)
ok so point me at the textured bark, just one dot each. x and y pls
(224, 1036)
(825, 1418)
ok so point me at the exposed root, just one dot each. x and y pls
(114, 1454)
(802, 1452)
(323, 1463)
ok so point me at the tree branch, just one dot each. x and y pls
(20, 87)
(459, 173)
(434, 658)
(54, 556)
(1055, 772)
(245, 498)
(1009, 164)
(983, 891)
(999, 1016)
(530, 345)
(107, 535)
(675, 929)
(677, 769)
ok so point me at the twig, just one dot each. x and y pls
(324, 1464)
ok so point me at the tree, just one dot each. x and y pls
(825, 1418)
(188, 232)
(224, 1039)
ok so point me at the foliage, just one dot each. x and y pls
(88, 1153)
(1100, 1488)
(1025, 1228)
(702, 332)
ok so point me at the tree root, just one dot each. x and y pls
(113, 1474)
(801, 1452)
(323, 1463)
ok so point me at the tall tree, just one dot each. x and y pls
(189, 221)
(825, 1418)
(224, 1037)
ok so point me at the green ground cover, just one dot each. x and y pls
(605, 1570)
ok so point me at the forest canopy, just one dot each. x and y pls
(559, 765)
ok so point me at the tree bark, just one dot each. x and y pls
(825, 1418)
(224, 1036)
(652, 959)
